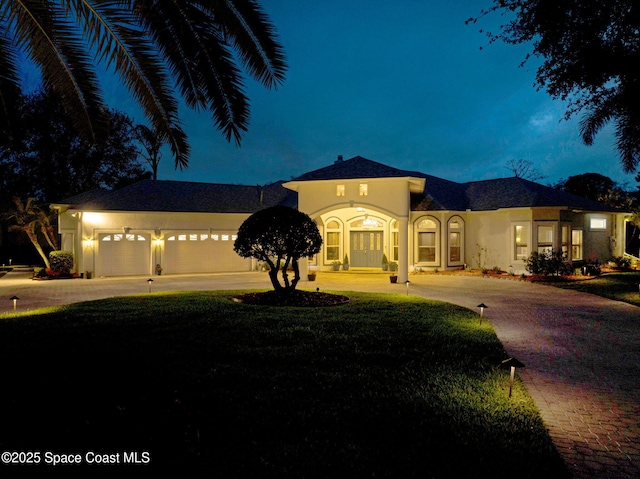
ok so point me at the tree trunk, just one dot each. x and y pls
(34, 239)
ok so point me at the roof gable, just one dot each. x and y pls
(355, 168)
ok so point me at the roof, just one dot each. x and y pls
(517, 192)
(354, 168)
(183, 197)
(438, 194)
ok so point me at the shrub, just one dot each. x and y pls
(621, 262)
(548, 263)
(61, 261)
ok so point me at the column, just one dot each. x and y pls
(403, 249)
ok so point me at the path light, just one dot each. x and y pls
(482, 306)
(149, 281)
(512, 363)
(15, 302)
(407, 283)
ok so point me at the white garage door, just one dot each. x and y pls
(189, 252)
(121, 254)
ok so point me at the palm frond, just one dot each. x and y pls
(9, 88)
(43, 30)
(254, 38)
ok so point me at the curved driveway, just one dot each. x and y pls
(582, 352)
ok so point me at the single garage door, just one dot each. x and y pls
(121, 254)
(194, 252)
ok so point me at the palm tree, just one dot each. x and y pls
(31, 219)
(152, 143)
(155, 47)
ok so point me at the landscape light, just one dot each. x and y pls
(149, 281)
(407, 283)
(15, 302)
(512, 363)
(482, 306)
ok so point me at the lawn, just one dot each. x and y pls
(387, 386)
(617, 286)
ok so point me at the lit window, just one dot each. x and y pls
(225, 237)
(565, 240)
(521, 242)
(333, 241)
(456, 231)
(576, 244)
(427, 247)
(203, 237)
(193, 237)
(545, 239)
(363, 189)
(427, 241)
(340, 190)
(598, 223)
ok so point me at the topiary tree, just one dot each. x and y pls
(279, 236)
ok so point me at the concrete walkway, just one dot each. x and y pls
(582, 352)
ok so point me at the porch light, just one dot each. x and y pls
(87, 243)
(15, 302)
(482, 306)
(149, 281)
(512, 363)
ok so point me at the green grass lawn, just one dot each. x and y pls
(388, 386)
(618, 286)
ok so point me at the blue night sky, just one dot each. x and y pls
(404, 83)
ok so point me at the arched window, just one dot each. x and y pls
(456, 241)
(333, 240)
(427, 241)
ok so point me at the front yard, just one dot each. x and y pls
(385, 386)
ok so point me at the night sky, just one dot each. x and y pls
(405, 83)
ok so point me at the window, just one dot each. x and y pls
(332, 249)
(340, 190)
(565, 241)
(455, 240)
(427, 241)
(545, 239)
(363, 189)
(576, 244)
(598, 224)
(394, 241)
(520, 241)
(427, 247)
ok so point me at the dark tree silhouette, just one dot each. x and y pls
(279, 236)
(590, 52)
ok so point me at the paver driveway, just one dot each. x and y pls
(582, 352)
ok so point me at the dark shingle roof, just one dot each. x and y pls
(181, 196)
(518, 192)
(357, 167)
(439, 194)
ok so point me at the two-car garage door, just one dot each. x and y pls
(196, 252)
(122, 254)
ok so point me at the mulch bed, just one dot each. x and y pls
(295, 298)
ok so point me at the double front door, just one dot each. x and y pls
(366, 249)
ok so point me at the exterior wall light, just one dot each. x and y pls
(15, 302)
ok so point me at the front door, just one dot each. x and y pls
(366, 249)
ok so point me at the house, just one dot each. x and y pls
(364, 210)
